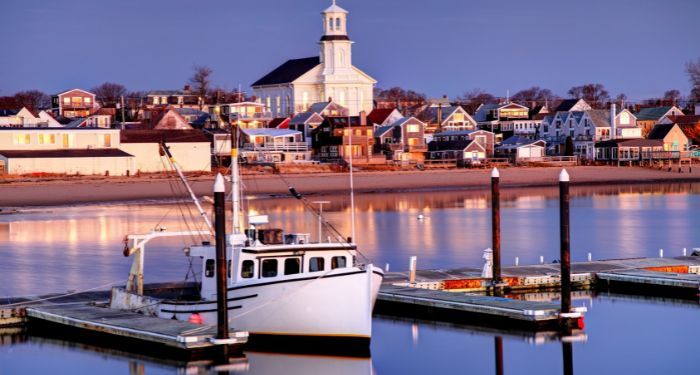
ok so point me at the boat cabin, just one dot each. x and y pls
(269, 254)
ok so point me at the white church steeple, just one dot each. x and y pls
(336, 47)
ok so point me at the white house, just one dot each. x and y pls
(293, 86)
(191, 149)
(86, 151)
(24, 118)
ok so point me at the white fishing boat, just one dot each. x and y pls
(279, 285)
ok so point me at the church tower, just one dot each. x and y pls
(336, 47)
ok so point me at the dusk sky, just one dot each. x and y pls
(438, 47)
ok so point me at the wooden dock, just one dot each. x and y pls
(125, 326)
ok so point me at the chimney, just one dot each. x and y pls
(363, 118)
(613, 128)
(187, 88)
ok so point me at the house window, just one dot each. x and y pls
(77, 100)
(337, 23)
(47, 139)
(269, 268)
(338, 262)
(316, 264)
(107, 140)
(209, 268)
(22, 139)
(87, 100)
(330, 24)
(292, 266)
(412, 128)
(66, 100)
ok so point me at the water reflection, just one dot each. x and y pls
(59, 249)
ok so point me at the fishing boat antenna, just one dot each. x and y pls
(352, 186)
(235, 182)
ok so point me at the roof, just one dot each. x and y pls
(382, 130)
(454, 133)
(75, 89)
(75, 122)
(379, 115)
(201, 116)
(639, 142)
(156, 136)
(302, 117)
(519, 141)
(685, 120)
(599, 117)
(289, 71)
(652, 113)
(567, 104)
(430, 113)
(171, 93)
(270, 132)
(342, 121)
(8, 112)
(458, 145)
(278, 122)
(335, 9)
(82, 153)
(319, 107)
(660, 131)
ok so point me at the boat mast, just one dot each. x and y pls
(235, 182)
(352, 187)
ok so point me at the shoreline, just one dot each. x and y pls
(95, 190)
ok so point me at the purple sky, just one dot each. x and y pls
(638, 47)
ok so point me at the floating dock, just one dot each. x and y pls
(459, 294)
(158, 334)
(491, 310)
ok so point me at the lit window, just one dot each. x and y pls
(66, 100)
(247, 268)
(292, 266)
(316, 264)
(269, 268)
(87, 100)
(22, 139)
(338, 262)
(107, 140)
(413, 128)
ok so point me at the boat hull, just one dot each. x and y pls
(334, 305)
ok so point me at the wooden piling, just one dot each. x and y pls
(565, 253)
(220, 231)
(496, 228)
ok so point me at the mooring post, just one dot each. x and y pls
(496, 228)
(220, 233)
(412, 264)
(564, 249)
(568, 358)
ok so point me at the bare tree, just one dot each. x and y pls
(594, 93)
(620, 100)
(201, 80)
(474, 98)
(109, 93)
(534, 94)
(34, 100)
(693, 70)
(672, 96)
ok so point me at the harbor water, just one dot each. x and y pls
(65, 249)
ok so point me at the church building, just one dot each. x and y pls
(293, 86)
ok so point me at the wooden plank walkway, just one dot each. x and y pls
(129, 325)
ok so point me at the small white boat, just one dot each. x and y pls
(279, 286)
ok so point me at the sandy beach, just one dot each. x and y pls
(98, 190)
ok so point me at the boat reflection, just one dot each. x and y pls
(249, 362)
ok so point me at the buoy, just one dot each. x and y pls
(421, 217)
(195, 319)
(580, 324)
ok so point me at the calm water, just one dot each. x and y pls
(76, 248)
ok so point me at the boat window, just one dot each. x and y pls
(292, 266)
(247, 269)
(209, 268)
(269, 268)
(228, 268)
(338, 262)
(316, 264)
